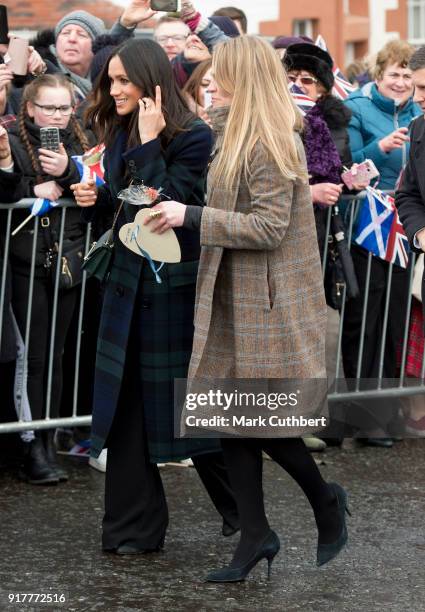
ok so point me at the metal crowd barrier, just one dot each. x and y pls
(23, 424)
(338, 392)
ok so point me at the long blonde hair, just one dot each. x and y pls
(261, 109)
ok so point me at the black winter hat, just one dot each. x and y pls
(305, 56)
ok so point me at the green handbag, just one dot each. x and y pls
(98, 260)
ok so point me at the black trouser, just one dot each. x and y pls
(39, 337)
(373, 414)
(135, 506)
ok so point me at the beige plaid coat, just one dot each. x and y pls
(260, 306)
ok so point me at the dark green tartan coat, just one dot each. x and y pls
(163, 327)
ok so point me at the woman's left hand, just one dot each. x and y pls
(52, 162)
(165, 215)
(151, 119)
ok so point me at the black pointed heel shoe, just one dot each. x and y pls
(268, 550)
(326, 552)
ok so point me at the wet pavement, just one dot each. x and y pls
(50, 543)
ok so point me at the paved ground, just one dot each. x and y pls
(49, 541)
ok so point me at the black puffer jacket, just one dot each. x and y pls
(20, 184)
(337, 116)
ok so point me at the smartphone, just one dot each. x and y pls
(17, 56)
(4, 27)
(207, 99)
(170, 6)
(364, 173)
(50, 138)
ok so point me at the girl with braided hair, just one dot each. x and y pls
(29, 171)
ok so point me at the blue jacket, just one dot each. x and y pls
(373, 117)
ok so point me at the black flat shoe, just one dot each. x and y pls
(228, 529)
(377, 442)
(268, 550)
(327, 552)
(127, 549)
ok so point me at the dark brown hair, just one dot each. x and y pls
(29, 95)
(194, 83)
(235, 14)
(146, 65)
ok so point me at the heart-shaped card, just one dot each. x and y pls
(161, 247)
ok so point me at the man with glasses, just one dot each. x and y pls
(171, 34)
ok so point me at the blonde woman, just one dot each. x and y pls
(260, 310)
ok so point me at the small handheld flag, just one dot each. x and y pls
(303, 102)
(40, 207)
(90, 165)
(342, 87)
(379, 229)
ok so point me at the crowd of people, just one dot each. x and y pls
(207, 115)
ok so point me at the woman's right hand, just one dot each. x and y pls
(49, 190)
(395, 140)
(85, 194)
(326, 193)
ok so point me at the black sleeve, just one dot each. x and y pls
(409, 201)
(192, 218)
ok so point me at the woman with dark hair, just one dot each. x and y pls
(146, 328)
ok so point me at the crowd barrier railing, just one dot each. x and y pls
(339, 391)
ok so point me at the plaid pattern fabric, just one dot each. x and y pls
(165, 326)
(260, 309)
(415, 342)
(7, 121)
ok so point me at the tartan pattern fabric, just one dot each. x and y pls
(180, 170)
(415, 342)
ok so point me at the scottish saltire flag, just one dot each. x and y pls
(42, 206)
(303, 102)
(379, 229)
(90, 165)
(342, 88)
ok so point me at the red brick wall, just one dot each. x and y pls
(40, 14)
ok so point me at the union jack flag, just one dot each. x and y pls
(303, 102)
(379, 229)
(342, 88)
(398, 244)
(90, 165)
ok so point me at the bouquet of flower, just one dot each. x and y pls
(140, 195)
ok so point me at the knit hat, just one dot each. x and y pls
(226, 25)
(102, 49)
(283, 42)
(91, 24)
(304, 56)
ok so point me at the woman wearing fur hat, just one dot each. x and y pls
(310, 68)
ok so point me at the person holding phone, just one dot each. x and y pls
(382, 112)
(29, 171)
(146, 328)
(260, 310)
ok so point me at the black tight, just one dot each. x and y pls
(244, 462)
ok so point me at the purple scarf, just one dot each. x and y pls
(323, 161)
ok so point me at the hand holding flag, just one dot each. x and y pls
(40, 208)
